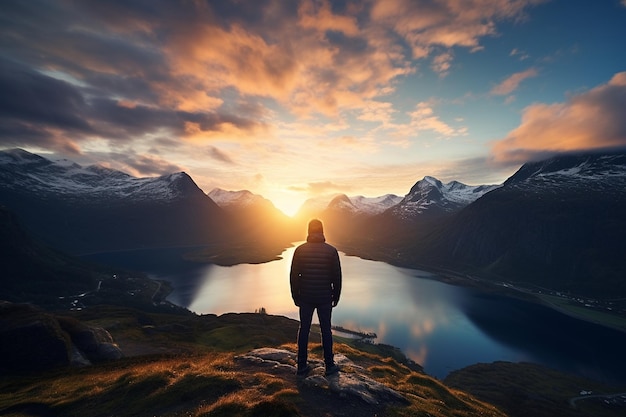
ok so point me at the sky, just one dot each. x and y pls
(297, 99)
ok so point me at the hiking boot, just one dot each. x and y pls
(303, 372)
(332, 369)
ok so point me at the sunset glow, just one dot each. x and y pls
(292, 100)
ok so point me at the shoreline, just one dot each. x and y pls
(508, 290)
(610, 320)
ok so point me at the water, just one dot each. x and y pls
(440, 326)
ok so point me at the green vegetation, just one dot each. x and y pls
(185, 365)
(517, 388)
(582, 312)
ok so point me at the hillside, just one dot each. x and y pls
(556, 225)
(86, 209)
(35, 273)
(242, 365)
(178, 363)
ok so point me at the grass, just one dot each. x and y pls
(184, 365)
(566, 306)
(196, 374)
(518, 387)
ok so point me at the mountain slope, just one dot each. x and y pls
(557, 224)
(430, 197)
(35, 273)
(83, 209)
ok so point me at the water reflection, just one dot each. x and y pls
(440, 326)
(245, 288)
(405, 308)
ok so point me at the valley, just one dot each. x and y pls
(549, 234)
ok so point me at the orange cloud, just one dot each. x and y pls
(322, 19)
(447, 23)
(512, 83)
(424, 118)
(591, 120)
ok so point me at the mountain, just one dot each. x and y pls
(238, 199)
(35, 273)
(94, 208)
(355, 205)
(363, 206)
(361, 221)
(254, 215)
(313, 207)
(430, 197)
(555, 224)
(343, 216)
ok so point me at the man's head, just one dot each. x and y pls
(315, 226)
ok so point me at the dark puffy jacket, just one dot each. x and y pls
(315, 272)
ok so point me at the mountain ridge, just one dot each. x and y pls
(86, 209)
(557, 224)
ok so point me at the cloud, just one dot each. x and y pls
(321, 188)
(587, 121)
(522, 55)
(143, 165)
(442, 63)
(424, 118)
(512, 83)
(426, 25)
(220, 155)
(122, 72)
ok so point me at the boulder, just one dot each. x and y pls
(94, 342)
(31, 340)
(351, 384)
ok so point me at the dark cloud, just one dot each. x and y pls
(31, 97)
(97, 69)
(220, 155)
(145, 165)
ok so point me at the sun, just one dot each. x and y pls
(288, 203)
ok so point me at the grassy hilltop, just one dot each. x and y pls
(185, 365)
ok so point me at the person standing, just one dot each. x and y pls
(315, 280)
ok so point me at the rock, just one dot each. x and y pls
(354, 383)
(94, 342)
(367, 389)
(278, 359)
(107, 352)
(31, 340)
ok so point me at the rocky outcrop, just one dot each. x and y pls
(351, 381)
(94, 342)
(32, 340)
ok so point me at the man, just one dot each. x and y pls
(315, 285)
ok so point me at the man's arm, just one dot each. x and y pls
(336, 278)
(294, 279)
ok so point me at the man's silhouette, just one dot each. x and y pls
(315, 285)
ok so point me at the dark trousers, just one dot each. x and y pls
(324, 312)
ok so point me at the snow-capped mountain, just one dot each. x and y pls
(22, 171)
(363, 206)
(81, 209)
(253, 213)
(237, 199)
(312, 207)
(585, 172)
(557, 223)
(355, 205)
(433, 197)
